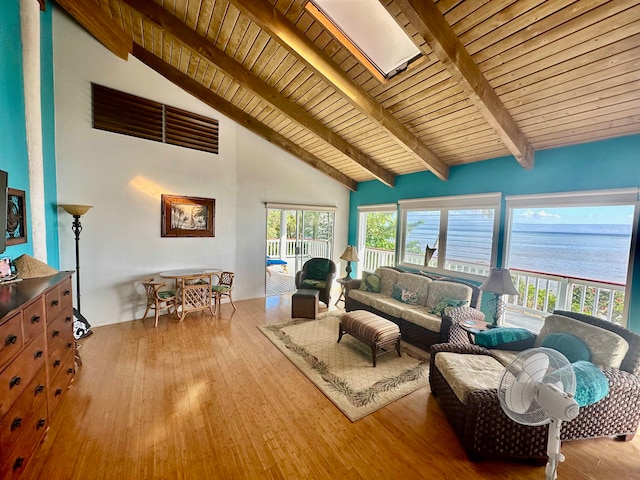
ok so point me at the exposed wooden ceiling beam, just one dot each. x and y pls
(270, 19)
(215, 101)
(172, 25)
(426, 18)
(90, 16)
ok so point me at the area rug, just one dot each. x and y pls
(344, 371)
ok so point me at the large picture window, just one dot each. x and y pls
(572, 251)
(377, 230)
(450, 233)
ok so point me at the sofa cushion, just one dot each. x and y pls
(467, 373)
(569, 345)
(501, 337)
(404, 295)
(370, 282)
(505, 357)
(364, 297)
(388, 278)
(607, 348)
(390, 306)
(439, 290)
(415, 283)
(423, 317)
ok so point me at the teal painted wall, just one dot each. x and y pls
(14, 155)
(593, 166)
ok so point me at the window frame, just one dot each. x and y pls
(363, 211)
(444, 205)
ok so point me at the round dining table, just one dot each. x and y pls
(192, 296)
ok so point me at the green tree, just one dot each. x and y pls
(381, 231)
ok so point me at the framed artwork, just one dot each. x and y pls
(16, 217)
(188, 216)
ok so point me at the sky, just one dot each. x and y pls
(619, 214)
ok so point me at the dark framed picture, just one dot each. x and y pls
(16, 217)
(188, 216)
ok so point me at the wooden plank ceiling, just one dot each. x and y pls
(498, 78)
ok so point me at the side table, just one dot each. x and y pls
(472, 327)
(342, 282)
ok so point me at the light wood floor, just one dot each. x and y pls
(212, 398)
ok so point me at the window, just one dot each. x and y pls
(450, 233)
(357, 25)
(127, 114)
(571, 251)
(377, 229)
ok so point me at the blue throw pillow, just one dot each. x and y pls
(591, 384)
(569, 345)
(502, 337)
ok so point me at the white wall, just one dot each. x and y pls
(123, 178)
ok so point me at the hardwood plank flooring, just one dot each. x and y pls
(212, 398)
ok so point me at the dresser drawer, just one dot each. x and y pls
(15, 378)
(58, 357)
(14, 461)
(52, 303)
(62, 379)
(60, 331)
(33, 319)
(11, 338)
(15, 422)
(66, 297)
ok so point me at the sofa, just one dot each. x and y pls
(465, 380)
(427, 309)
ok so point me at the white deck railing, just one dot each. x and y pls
(308, 248)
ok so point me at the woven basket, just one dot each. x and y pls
(29, 267)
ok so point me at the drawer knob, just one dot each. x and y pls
(39, 389)
(14, 381)
(67, 319)
(35, 319)
(58, 392)
(18, 463)
(66, 293)
(41, 423)
(16, 423)
(55, 333)
(69, 345)
(38, 354)
(11, 340)
(54, 303)
(71, 371)
(56, 362)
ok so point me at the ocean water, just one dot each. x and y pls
(584, 251)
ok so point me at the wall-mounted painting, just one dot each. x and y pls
(188, 216)
(16, 217)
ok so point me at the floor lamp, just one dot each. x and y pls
(77, 211)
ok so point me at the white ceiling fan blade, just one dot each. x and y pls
(519, 394)
(536, 366)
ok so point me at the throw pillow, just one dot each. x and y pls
(591, 384)
(405, 296)
(370, 282)
(569, 345)
(444, 303)
(503, 338)
(318, 270)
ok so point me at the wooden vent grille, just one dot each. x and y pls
(120, 112)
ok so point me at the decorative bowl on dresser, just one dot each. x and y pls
(37, 363)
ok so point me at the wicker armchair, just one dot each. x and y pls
(317, 274)
(485, 430)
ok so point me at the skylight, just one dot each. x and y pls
(369, 27)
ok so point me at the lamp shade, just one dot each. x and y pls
(75, 209)
(350, 254)
(499, 282)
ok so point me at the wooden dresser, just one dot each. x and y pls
(36, 363)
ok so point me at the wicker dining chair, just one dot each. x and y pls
(158, 299)
(223, 288)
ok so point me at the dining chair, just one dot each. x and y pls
(158, 299)
(223, 288)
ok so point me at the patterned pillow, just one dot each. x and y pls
(370, 282)
(442, 305)
(405, 296)
(501, 337)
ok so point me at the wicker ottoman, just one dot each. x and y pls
(369, 328)
(304, 303)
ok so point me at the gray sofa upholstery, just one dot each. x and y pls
(418, 325)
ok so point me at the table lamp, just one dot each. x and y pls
(350, 254)
(499, 283)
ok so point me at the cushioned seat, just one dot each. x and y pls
(317, 274)
(371, 329)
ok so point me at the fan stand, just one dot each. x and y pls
(553, 450)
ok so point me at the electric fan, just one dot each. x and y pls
(537, 388)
